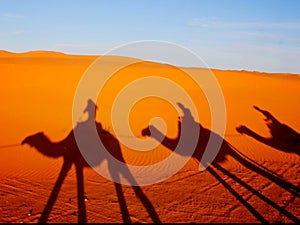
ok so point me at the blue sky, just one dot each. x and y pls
(227, 34)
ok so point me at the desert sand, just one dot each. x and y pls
(261, 184)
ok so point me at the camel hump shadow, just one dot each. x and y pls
(186, 125)
(96, 144)
(91, 132)
(225, 150)
(68, 148)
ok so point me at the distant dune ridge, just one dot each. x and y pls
(44, 53)
(33, 54)
(37, 90)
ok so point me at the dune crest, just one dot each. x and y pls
(260, 183)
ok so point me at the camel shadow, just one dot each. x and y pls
(69, 151)
(282, 138)
(189, 125)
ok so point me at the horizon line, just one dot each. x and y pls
(187, 67)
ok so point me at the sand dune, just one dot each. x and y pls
(37, 91)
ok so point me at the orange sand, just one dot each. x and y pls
(37, 90)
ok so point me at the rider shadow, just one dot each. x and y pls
(68, 149)
(186, 125)
(282, 138)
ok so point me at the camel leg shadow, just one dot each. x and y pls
(140, 194)
(237, 196)
(120, 194)
(258, 194)
(54, 193)
(80, 195)
(294, 190)
(147, 204)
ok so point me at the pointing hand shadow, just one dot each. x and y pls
(282, 138)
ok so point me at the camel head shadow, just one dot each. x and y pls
(186, 128)
(283, 137)
(68, 149)
(90, 130)
(71, 154)
(33, 139)
(225, 151)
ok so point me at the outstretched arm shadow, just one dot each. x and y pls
(226, 150)
(282, 138)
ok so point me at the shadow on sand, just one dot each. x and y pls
(225, 151)
(282, 138)
(68, 149)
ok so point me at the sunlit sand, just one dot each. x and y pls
(37, 91)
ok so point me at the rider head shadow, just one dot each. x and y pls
(188, 125)
(282, 138)
(68, 149)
